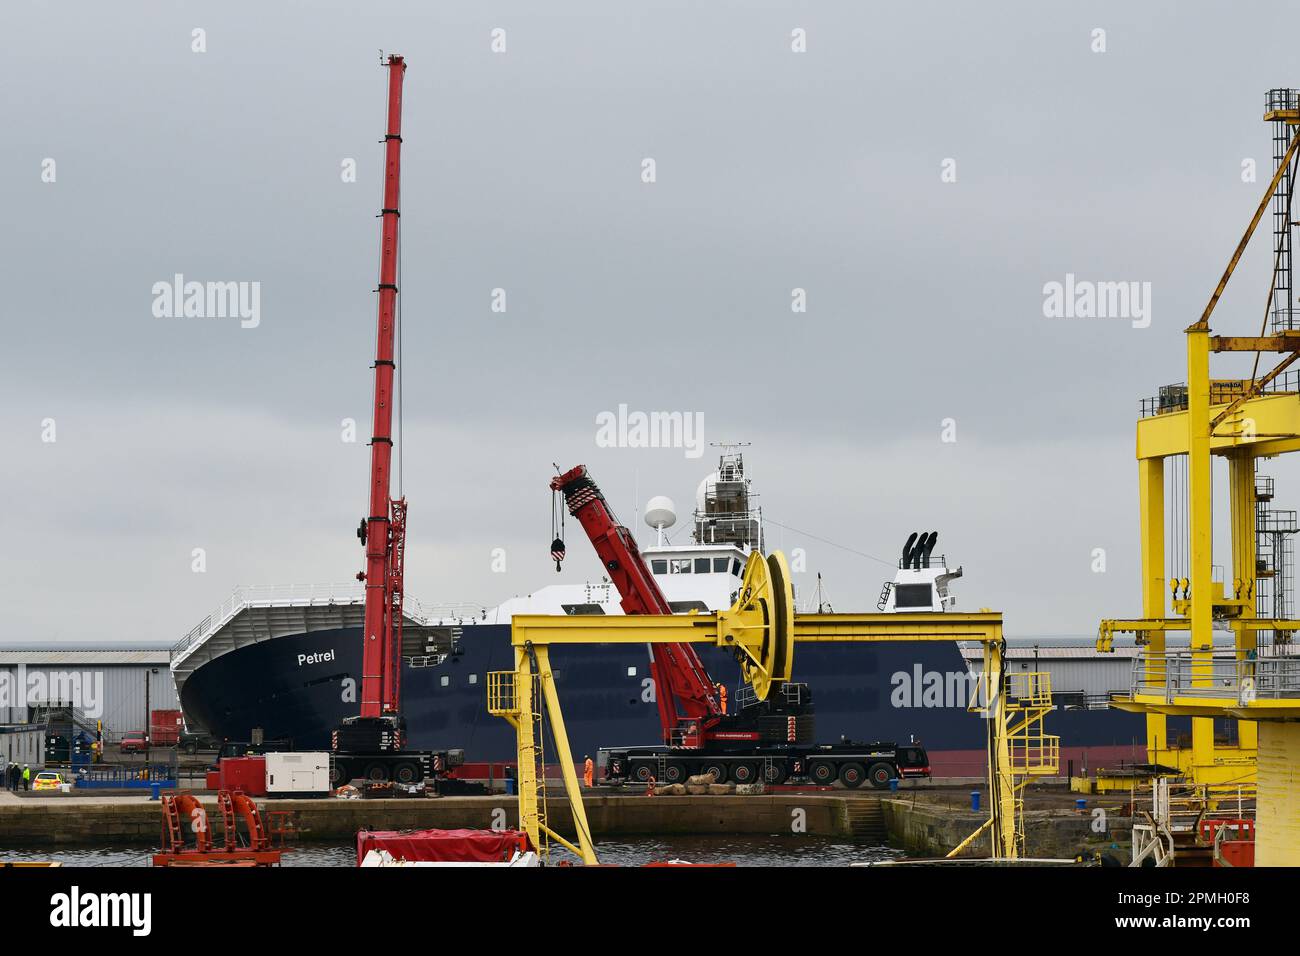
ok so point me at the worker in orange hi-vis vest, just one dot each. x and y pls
(722, 697)
(588, 771)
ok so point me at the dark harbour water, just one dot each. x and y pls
(743, 851)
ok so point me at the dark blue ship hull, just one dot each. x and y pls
(300, 686)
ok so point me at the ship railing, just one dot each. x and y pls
(933, 561)
(1185, 673)
(744, 525)
(1084, 700)
(308, 595)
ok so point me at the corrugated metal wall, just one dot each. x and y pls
(1093, 676)
(119, 693)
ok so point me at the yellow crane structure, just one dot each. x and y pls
(762, 630)
(1240, 420)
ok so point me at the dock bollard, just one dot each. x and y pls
(975, 800)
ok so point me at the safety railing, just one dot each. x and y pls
(125, 777)
(1281, 99)
(1083, 700)
(503, 700)
(933, 561)
(1184, 673)
(501, 693)
(1185, 806)
(1173, 398)
(311, 595)
(792, 693)
(1034, 753)
(1029, 689)
(286, 595)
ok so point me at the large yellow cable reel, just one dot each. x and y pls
(760, 625)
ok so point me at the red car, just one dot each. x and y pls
(132, 743)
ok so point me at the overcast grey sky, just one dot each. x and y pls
(522, 170)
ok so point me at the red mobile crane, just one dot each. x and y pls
(689, 708)
(383, 532)
(373, 744)
(768, 739)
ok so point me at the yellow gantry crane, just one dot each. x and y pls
(762, 629)
(1240, 420)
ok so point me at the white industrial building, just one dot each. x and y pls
(104, 681)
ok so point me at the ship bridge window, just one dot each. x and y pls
(582, 609)
(720, 565)
(913, 595)
(681, 607)
(681, 566)
(735, 566)
(701, 565)
(659, 566)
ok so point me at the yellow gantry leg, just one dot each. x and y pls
(525, 749)
(585, 849)
(1200, 521)
(1241, 489)
(1277, 841)
(512, 695)
(1151, 500)
(1002, 782)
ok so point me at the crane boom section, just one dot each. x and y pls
(684, 692)
(380, 661)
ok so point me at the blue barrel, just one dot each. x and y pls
(1081, 805)
(510, 785)
(155, 790)
(975, 800)
(893, 784)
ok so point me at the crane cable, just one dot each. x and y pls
(558, 508)
(842, 547)
(401, 378)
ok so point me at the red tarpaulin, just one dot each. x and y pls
(444, 846)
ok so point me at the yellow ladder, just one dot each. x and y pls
(525, 716)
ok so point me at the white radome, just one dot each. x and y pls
(660, 513)
(703, 491)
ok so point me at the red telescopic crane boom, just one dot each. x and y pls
(382, 531)
(684, 692)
